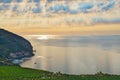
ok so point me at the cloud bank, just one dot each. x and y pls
(70, 11)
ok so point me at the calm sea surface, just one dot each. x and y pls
(75, 54)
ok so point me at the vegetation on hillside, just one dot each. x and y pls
(13, 46)
(18, 73)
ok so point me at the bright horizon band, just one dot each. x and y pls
(60, 17)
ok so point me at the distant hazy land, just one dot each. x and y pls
(98, 29)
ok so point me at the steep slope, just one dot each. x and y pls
(13, 46)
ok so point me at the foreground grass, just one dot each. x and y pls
(18, 73)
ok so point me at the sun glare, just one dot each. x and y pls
(45, 37)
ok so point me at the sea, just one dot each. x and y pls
(75, 54)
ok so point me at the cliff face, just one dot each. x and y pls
(13, 46)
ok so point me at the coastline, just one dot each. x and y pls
(19, 73)
(13, 47)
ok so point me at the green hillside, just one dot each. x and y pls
(18, 73)
(13, 47)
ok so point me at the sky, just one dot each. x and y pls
(59, 12)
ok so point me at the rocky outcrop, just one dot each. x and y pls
(13, 46)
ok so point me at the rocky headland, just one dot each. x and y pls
(13, 47)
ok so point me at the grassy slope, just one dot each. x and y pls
(18, 73)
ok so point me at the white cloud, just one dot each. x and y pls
(85, 11)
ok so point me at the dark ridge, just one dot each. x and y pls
(13, 46)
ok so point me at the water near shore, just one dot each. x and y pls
(75, 54)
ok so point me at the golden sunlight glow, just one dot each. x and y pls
(42, 37)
